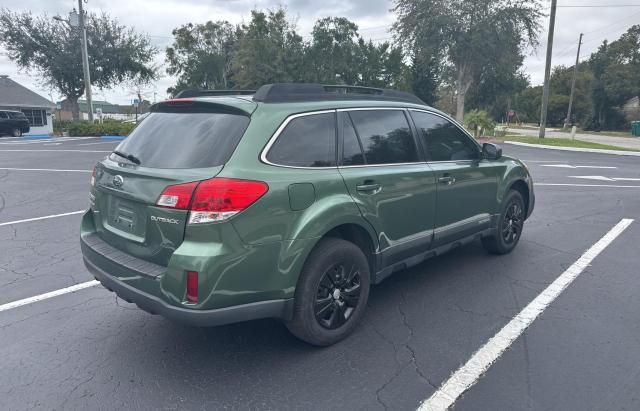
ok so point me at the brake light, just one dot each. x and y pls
(213, 200)
(177, 196)
(93, 177)
(221, 198)
(192, 287)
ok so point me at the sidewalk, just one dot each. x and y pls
(624, 142)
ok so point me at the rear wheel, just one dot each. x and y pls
(510, 225)
(16, 132)
(331, 294)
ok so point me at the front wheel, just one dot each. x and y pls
(16, 132)
(509, 227)
(331, 294)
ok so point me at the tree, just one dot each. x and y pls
(51, 48)
(338, 54)
(478, 120)
(469, 34)
(201, 55)
(270, 51)
(616, 78)
(333, 53)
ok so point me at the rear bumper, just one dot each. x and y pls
(202, 318)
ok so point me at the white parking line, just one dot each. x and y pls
(45, 169)
(582, 185)
(56, 151)
(41, 218)
(574, 167)
(45, 296)
(102, 142)
(467, 375)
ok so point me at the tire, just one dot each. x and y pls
(16, 132)
(331, 294)
(509, 227)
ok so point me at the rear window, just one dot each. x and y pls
(185, 140)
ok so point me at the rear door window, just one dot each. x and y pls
(306, 141)
(185, 139)
(443, 140)
(352, 154)
(385, 136)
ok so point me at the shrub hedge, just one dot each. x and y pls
(85, 128)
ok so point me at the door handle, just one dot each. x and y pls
(448, 180)
(369, 188)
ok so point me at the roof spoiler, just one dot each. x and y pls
(190, 93)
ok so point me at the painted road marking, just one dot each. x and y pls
(466, 376)
(582, 185)
(56, 151)
(45, 169)
(46, 296)
(41, 218)
(101, 142)
(603, 178)
(573, 167)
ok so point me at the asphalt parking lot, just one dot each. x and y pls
(89, 350)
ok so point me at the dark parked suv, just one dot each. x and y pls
(14, 123)
(290, 203)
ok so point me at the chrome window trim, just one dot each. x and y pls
(384, 165)
(280, 129)
(371, 108)
(455, 123)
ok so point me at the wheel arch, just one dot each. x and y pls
(523, 188)
(361, 237)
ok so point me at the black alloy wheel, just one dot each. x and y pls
(512, 223)
(338, 296)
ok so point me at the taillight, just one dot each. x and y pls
(192, 287)
(178, 196)
(212, 200)
(93, 177)
(220, 198)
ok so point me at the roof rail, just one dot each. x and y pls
(212, 93)
(298, 92)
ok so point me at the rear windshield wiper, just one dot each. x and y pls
(129, 157)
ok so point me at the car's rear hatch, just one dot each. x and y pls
(179, 142)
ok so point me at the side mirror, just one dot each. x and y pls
(491, 151)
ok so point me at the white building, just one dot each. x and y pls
(38, 109)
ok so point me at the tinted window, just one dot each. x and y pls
(20, 116)
(385, 135)
(185, 140)
(308, 141)
(3, 115)
(443, 139)
(352, 152)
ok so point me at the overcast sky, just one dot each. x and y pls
(158, 17)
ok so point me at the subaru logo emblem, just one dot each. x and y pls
(118, 181)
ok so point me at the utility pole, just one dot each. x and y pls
(547, 70)
(573, 84)
(85, 60)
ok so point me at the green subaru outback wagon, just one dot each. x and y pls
(290, 202)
